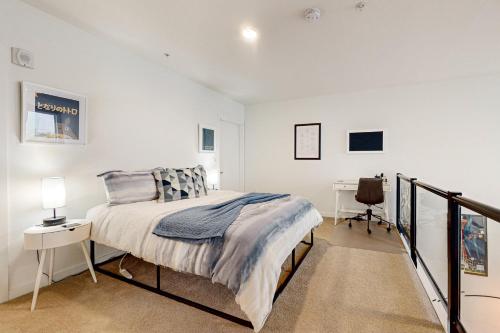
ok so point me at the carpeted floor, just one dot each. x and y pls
(349, 282)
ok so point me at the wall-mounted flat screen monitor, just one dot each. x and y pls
(365, 141)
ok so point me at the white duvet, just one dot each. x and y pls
(130, 227)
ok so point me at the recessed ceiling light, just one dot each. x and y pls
(249, 33)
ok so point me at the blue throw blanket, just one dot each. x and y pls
(208, 223)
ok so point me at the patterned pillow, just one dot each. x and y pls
(175, 184)
(126, 187)
(200, 180)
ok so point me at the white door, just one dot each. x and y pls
(230, 156)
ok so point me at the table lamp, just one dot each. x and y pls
(53, 196)
(213, 178)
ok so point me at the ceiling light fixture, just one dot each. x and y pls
(250, 34)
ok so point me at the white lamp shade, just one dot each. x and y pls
(53, 192)
(213, 177)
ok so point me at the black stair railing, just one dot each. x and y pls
(454, 239)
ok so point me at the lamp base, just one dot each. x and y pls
(51, 221)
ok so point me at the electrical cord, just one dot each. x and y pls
(123, 271)
(38, 259)
(120, 264)
(487, 296)
(54, 281)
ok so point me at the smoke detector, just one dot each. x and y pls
(312, 14)
(360, 5)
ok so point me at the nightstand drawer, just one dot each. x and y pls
(65, 237)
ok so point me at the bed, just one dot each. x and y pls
(129, 228)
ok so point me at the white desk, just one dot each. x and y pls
(352, 186)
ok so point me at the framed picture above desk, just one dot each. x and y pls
(307, 141)
(351, 186)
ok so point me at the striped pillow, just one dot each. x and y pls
(126, 187)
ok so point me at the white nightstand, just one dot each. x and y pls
(43, 238)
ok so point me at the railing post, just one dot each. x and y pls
(454, 262)
(398, 202)
(413, 221)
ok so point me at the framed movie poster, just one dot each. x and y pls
(474, 244)
(307, 141)
(52, 116)
(206, 139)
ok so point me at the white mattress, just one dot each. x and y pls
(130, 227)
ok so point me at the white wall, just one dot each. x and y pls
(430, 129)
(141, 115)
(444, 133)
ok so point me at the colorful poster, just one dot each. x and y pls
(58, 117)
(474, 244)
(52, 116)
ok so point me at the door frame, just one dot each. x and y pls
(241, 151)
(4, 226)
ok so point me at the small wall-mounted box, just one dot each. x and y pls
(23, 58)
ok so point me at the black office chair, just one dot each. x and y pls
(370, 192)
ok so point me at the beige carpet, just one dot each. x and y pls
(350, 282)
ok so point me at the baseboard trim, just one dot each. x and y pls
(427, 286)
(327, 214)
(59, 275)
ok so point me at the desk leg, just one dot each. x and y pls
(51, 265)
(336, 206)
(38, 278)
(386, 207)
(89, 263)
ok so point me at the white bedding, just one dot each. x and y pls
(130, 228)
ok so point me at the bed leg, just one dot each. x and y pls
(312, 240)
(92, 253)
(158, 286)
(293, 260)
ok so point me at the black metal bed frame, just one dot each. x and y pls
(157, 290)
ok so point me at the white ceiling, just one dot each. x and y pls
(391, 42)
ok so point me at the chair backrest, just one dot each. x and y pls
(370, 191)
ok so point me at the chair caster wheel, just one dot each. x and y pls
(350, 225)
(379, 222)
(388, 229)
(369, 231)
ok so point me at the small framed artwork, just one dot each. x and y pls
(307, 141)
(51, 115)
(365, 141)
(206, 139)
(475, 244)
